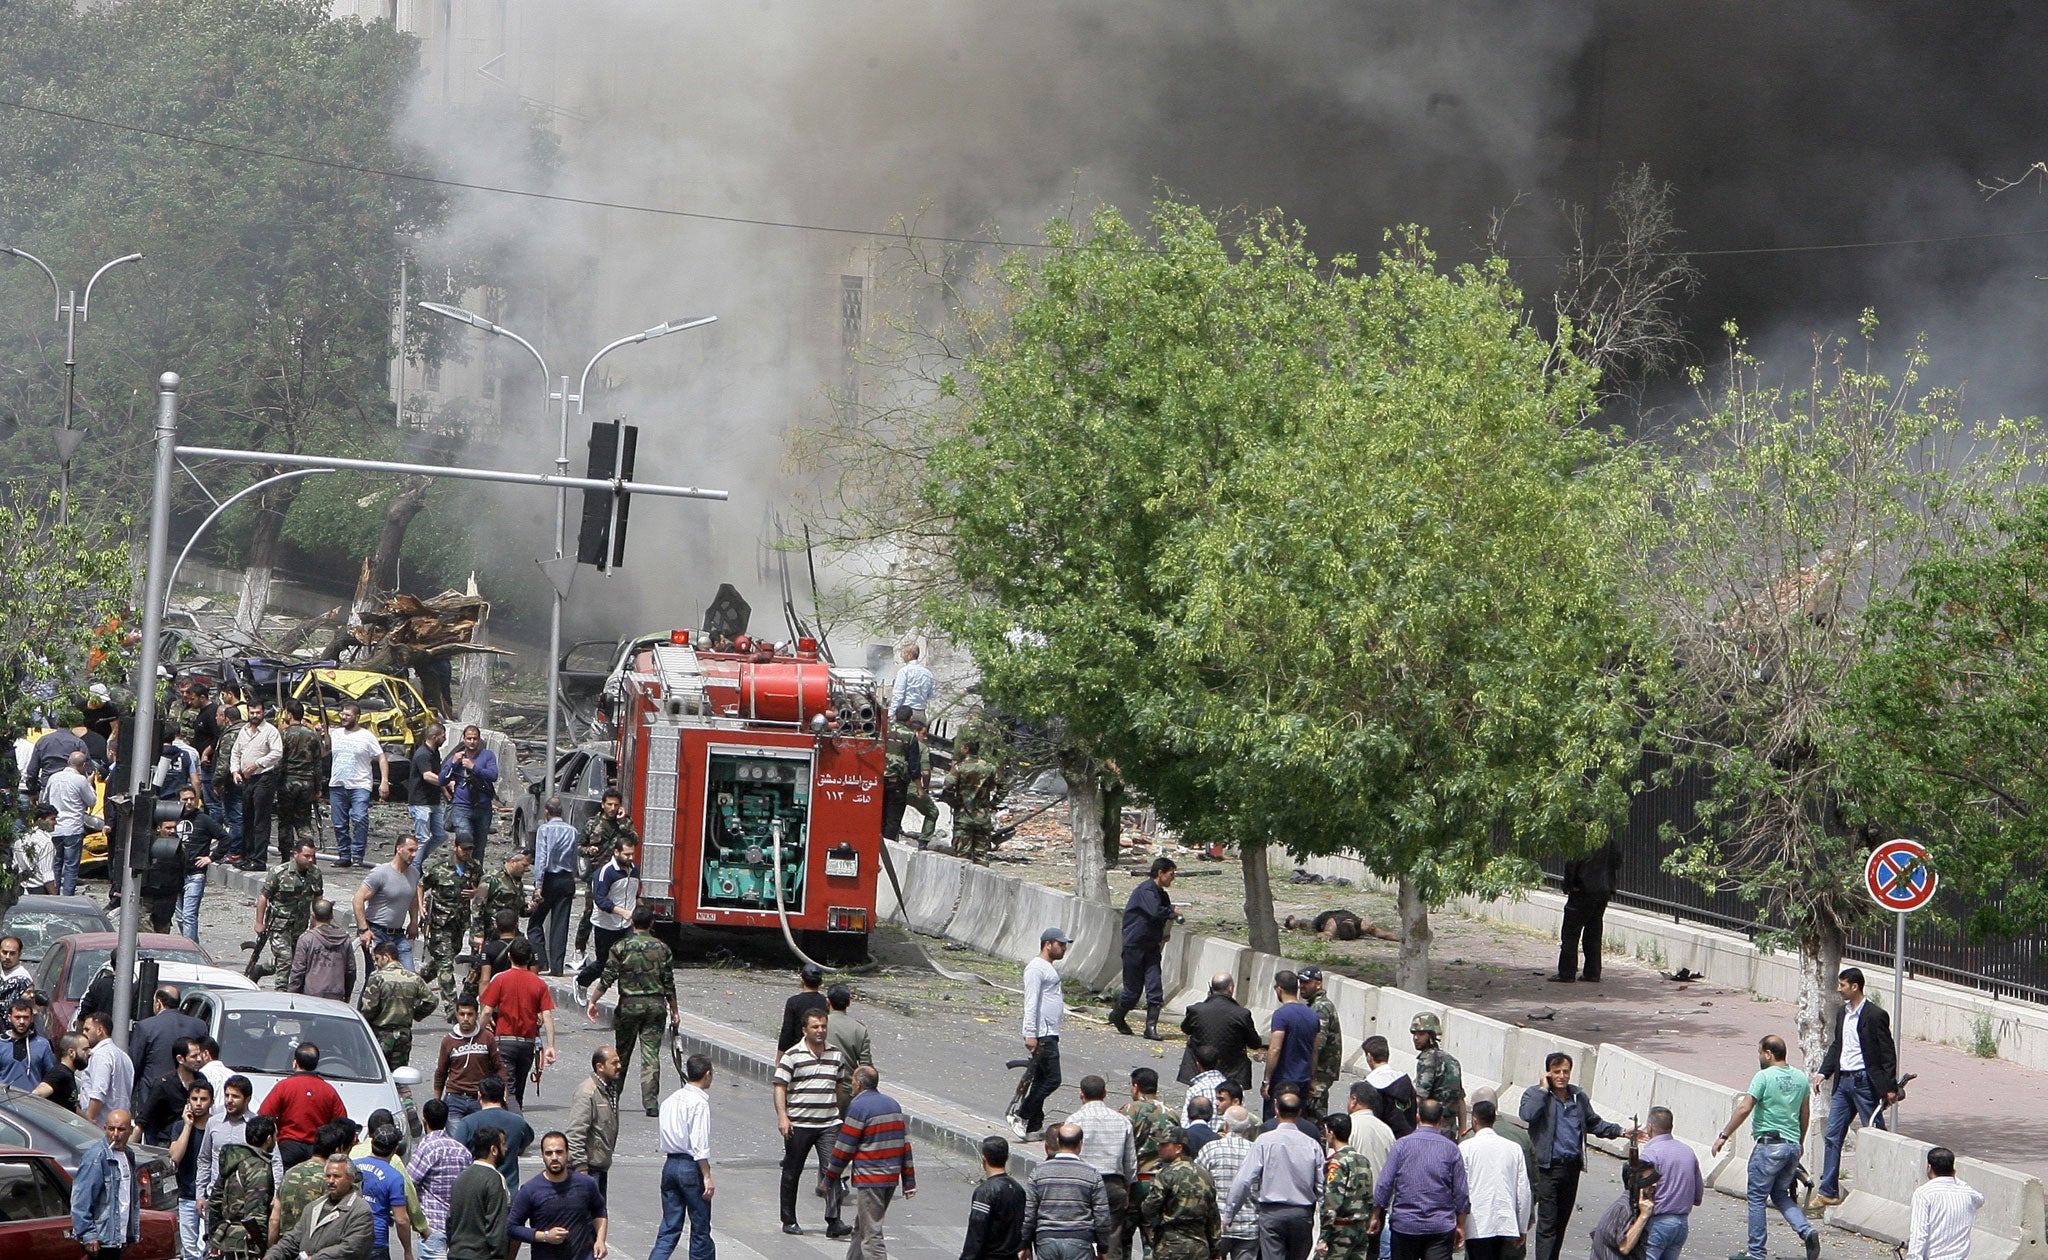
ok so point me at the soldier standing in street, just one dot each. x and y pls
(298, 778)
(450, 886)
(972, 794)
(644, 973)
(284, 906)
(1181, 1219)
(902, 765)
(502, 889)
(1146, 915)
(601, 838)
(1149, 1123)
(238, 1212)
(1327, 1061)
(393, 1000)
(1346, 1210)
(1437, 1075)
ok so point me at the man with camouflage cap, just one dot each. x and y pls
(284, 907)
(644, 973)
(238, 1209)
(1181, 1220)
(298, 777)
(1437, 1075)
(1346, 1210)
(972, 794)
(450, 886)
(1327, 1059)
(601, 837)
(394, 999)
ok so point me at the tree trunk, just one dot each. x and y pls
(1113, 797)
(1084, 816)
(1258, 896)
(398, 516)
(264, 542)
(1820, 961)
(1411, 964)
(475, 702)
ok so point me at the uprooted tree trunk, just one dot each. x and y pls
(1084, 816)
(1260, 925)
(473, 702)
(265, 541)
(398, 517)
(1411, 963)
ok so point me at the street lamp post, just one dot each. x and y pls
(72, 312)
(556, 569)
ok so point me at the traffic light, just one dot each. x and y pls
(601, 541)
(137, 828)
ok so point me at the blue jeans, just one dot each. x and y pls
(398, 938)
(1666, 1236)
(351, 810)
(188, 904)
(427, 829)
(682, 1194)
(1853, 1096)
(1772, 1166)
(226, 808)
(460, 1105)
(433, 1248)
(474, 821)
(70, 850)
(190, 1234)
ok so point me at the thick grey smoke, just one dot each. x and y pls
(1825, 123)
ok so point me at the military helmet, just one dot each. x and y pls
(1427, 1023)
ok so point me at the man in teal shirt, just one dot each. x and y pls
(1779, 1102)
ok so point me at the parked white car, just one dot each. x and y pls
(259, 1030)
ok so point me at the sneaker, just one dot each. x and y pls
(582, 994)
(1813, 1245)
(1019, 1128)
(654, 1111)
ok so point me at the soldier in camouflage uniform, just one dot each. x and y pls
(1180, 1216)
(1149, 1120)
(450, 885)
(502, 889)
(601, 838)
(644, 973)
(972, 794)
(298, 775)
(1437, 1075)
(284, 907)
(1346, 1211)
(238, 1211)
(1328, 1060)
(394, 999)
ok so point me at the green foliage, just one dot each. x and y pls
(1983, 1038)
(1946, 712)
(1312, 554)
(1785, 513)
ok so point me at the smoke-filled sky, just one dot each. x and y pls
(1828, 122)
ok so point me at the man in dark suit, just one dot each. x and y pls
(1589, 884)
(152, 1043)
(1864, 1066)
(1218, 1020)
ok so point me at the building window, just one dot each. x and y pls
(852, 303)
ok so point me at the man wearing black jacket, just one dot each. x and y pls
(995, 1216)
(1560, 1119)
(1220, 1021)
(1146, 915)
(1865, 1069)
(1588, 885)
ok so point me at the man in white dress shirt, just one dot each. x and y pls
(686, 1187)
(1497, 1179)
(1944, 1211)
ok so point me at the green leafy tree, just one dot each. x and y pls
(1786, 513)
(267, 283)
(1944, 715)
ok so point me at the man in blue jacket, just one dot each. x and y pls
(1560, 1119)
(1146, 915)
(470, 774)
(106, 1196)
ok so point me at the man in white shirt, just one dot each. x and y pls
(1107, 1144)
(913, 686)
(1045, 1006)
(108, 1084)
(686, 1187)
(70, 791)
(1497, 1179)
(258, 751)
(35, 854)
(355, 748)
(1944, 1211)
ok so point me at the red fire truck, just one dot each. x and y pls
(754, 776)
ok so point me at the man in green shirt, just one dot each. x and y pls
(1778, 1104)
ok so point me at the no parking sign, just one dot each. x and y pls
(1899, 876)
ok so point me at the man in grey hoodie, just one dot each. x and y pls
(324, 961)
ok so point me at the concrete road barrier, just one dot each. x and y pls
(1526, 1051)
(1357, 1003)
(1033, 908)
(931, 886)
(986, 900)
(1624, 1085)
(1095, 959)
(1699, 1111)
(1890, 1167)
(1480, 1046)
(1206, 957)
(886, 907)
(1397, 1010)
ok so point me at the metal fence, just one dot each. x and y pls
(1936, 946)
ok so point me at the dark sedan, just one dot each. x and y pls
(39, 920)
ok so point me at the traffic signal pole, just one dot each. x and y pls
(145, 743)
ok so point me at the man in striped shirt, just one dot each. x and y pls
(1108, 1147)
(1944, 1211)
(807, 1112)
(873, 1149)
(1223, 1157)
(434, 1165)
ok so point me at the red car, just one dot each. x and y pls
(67, 970)
(35, 1213)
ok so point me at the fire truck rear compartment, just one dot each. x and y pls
(752, 804)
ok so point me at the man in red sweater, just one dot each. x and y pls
(301, 1103)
